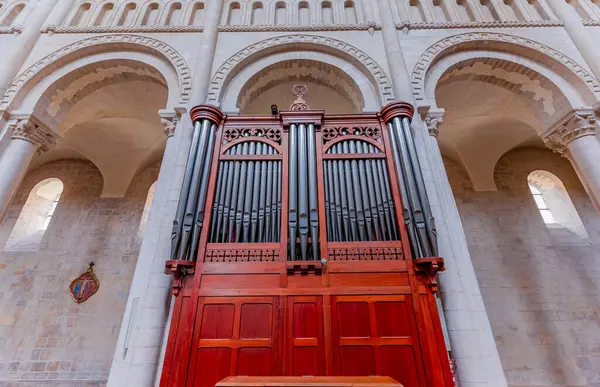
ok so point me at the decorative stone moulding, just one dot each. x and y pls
(293, 27)
(432, 54)
(136, 41)
(29, 130)
(11, 30)
(433, 119)
(429, 267)
(169, 119)
(179, 269)
(591, 23)
(209, 112)
(477, 24)
(397, 109)
(105, 29)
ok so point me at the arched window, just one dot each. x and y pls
(489, 11)
(553, 202)
(12, 15)
(128, 15)
(235, 14)
(174, 15)
(326, 13)
(350, 12)
(81, 16)
(197, 15)
(464, 11)
(580, 11)
(514, 13)
(257, 17)
(29, 230)
(538, 10)
(416, 11)
(440, 12)
(303, 14)
(280, 13)
(151, 15)
(146, 212)
(103, 17)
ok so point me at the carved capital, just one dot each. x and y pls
(179, 269)
(28, 130)
(169, 119)
(429, 267)
(578, 123)
(433, 119)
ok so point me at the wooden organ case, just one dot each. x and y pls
(300, 259)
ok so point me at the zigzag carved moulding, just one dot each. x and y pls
(167, 52)
(376, 72)
(433, 52)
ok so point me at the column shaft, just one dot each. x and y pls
(60, 12)
(584, 154)
(13, 167)
(16, 54)
(578, 33)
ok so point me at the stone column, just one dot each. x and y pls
(137, 353)
(27, 139)
(575, 138)
(469, 330)
(59, 14)
(16, 53)
(578, 33)
(206, 51)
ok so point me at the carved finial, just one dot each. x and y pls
(300, 91)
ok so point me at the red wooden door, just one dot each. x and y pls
(234, 336)
(377, 335)
(305, 342)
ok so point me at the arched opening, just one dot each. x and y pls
(174, 15)
(303, 13)
(197, 15)
(488, 10)
(10, 18)
(146, 211)
(258, 14)
(514, 13)
(128, 15)
(464, 10)
(280, 13)
(326, 13)
(350, 12)
(151, 15)
(440, 11)
(578, 8)
(329, 88)
(538, 10)
(553, 202)
(105, 15)
(234, 16)
(417, 13)
(33, 221)
(81, 15)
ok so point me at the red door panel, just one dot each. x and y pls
(305, 341)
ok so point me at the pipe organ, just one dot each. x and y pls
(304, 244)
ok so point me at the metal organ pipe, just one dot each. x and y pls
(313, 204)
(293, 190)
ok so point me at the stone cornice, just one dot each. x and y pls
(433, 119)
(296, 28)
(29, 129)
(123, 29)
(170, 118)
(576, 124)
(477, 24)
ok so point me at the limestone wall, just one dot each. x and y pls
(540, 284)
(44, 335)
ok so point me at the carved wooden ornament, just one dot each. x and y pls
(84, 286)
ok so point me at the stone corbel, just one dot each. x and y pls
(169, 118)
(179, 269)
(429, 267)
(576, 124)
(28, 128)
(433, 119)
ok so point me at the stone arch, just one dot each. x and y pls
(123, 43)
(237, 62)
(519, 48)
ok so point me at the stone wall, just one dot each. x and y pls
(540, 284)
(45, 337)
